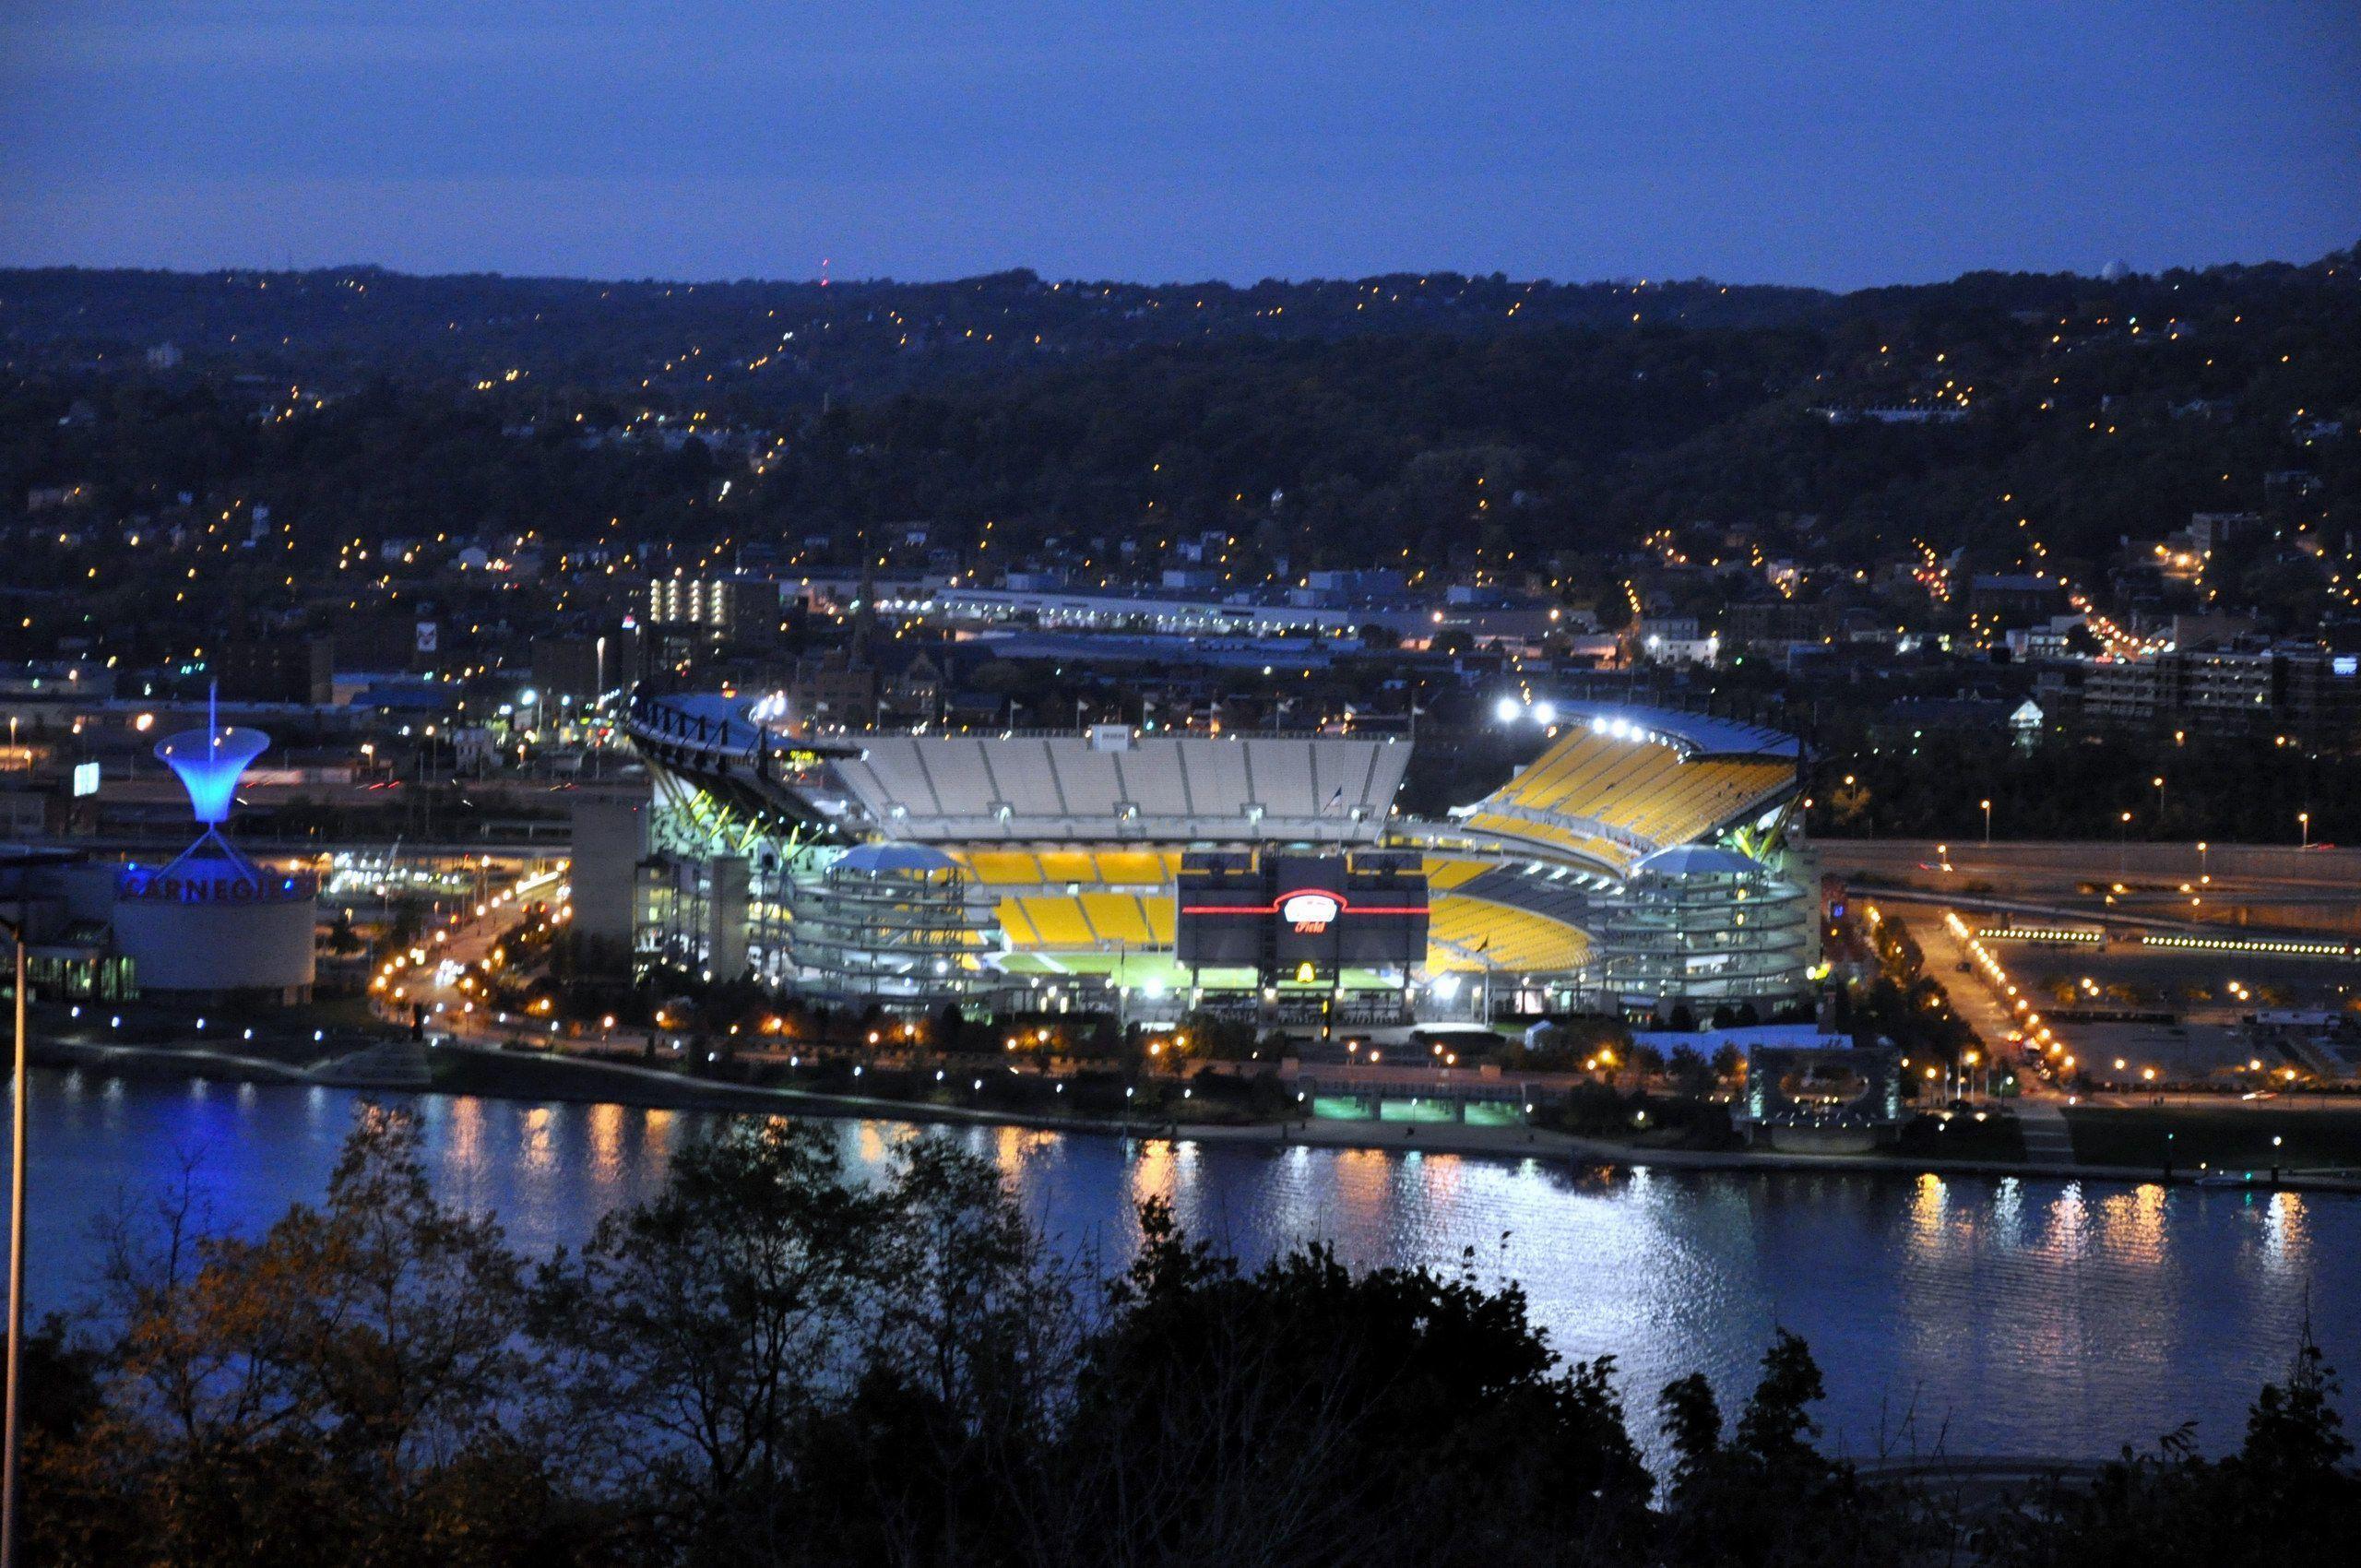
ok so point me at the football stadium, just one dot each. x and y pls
(1643, 860)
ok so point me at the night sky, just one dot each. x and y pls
(1808, 141)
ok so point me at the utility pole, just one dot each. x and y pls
(15, 1269)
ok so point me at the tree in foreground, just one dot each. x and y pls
(2288, 1498)
(774, 1361)
(345, 1388)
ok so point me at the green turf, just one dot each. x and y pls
(1416, 1111)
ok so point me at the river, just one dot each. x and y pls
(1971, 1313)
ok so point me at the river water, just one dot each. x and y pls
(1969, 1314)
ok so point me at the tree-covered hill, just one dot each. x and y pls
(1454, 423)
(778, 344)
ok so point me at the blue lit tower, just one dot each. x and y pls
(213, 922)
(209, 762)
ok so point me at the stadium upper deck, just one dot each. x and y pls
(1096, 788)
(1621, 783)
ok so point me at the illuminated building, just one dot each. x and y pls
(211, 921)
(1028, 870)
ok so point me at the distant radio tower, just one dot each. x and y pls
(824, 272)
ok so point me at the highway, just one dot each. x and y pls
(2056, 870)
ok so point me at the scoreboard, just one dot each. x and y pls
(1292, 915)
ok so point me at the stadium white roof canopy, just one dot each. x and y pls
(1693, 734)
(1317, 790)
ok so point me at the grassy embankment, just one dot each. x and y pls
(2224, 1137)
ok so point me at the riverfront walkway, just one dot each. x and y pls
(538, 1074)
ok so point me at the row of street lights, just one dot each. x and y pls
(2123, 823)
(2037, 1036)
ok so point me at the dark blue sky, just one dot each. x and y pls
(1810, 141)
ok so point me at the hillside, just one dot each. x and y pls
(1452, 423)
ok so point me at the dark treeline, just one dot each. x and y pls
(769, 1363)
(775, 343)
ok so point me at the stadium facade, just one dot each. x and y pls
(1646, 858)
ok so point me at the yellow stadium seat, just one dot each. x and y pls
(1011, 914)
(1639, 786)
(1134, 868)
(1003, 868)
(1474, 934)
(1067, 865)
(1060, 920)
(1163, 921)
(1116, 917)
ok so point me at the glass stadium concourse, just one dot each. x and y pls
(1645, 859)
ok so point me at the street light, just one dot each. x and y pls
(1987, 821)
(2304, 821)
(2123, 844)
(2159, 782)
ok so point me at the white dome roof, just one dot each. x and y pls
(1696, 859)
(879, 857)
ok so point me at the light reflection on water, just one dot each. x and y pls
(1987, 1315)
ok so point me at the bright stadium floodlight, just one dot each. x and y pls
(1545, 714)
(1507, 709)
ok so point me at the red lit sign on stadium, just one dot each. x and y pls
(1309, 912)
(1308, 909)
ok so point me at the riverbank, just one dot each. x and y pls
(533, 1076)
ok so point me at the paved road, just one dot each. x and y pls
(2259, 872)
(1971, 998)
(466, 942)
(2278, 863)
(2041, 1117)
